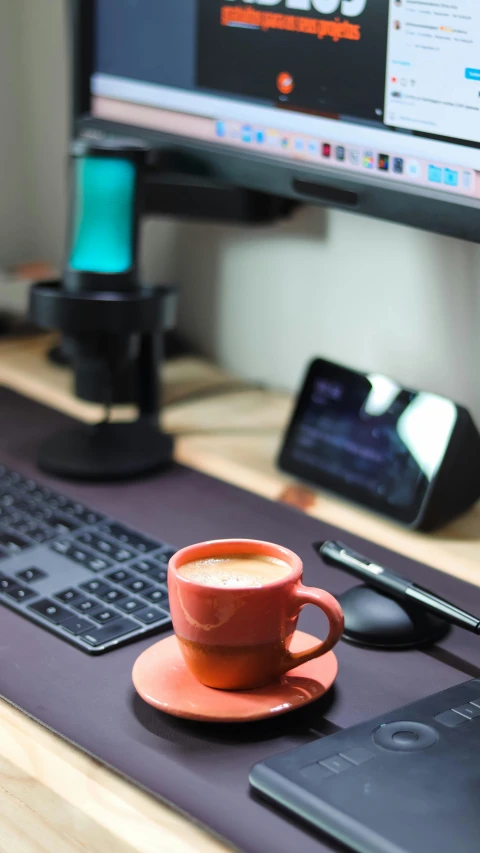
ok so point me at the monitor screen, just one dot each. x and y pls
(384, 93)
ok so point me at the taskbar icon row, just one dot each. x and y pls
(310, 149)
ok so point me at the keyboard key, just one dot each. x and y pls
(95, 587)
(88, 516)
(21, 593)
(51, 611)
(157, 574)
(22, 487)
(6, 498)
(42, 513)
(79, 511)
(55, 502)
(167, 554)
(31, 575)
(162, 559)
(120, 576)
(143, 566)
(103, 546)
(41, 493)
(33, 529)
(6, 583)
(78, 556)
(29, 485)
(68, 507)
(130, 605)
(3, 529)
(61, 547)
(35, 510)
(68, 595)
(104, 616)
(16, 519)
(85, 605)
(151, 614)
(116, 629)
(87, 539)
(39, 532)
(61, 524)
(59, 502)
(121, 555)
(98, 564)
(157, 596)
(137, 585)
(113, 596)
(13, 542)
(15, 478)
(129, 537)
(77, 626)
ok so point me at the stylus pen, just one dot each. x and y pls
(338, 555)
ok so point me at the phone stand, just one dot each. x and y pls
(373, 619)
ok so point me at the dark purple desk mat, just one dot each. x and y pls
(202, 770)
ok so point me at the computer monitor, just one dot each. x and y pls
(368, 105)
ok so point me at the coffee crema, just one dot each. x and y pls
(235, 570)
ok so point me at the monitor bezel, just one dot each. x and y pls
(429, 210)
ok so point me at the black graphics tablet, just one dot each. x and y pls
(405, 782)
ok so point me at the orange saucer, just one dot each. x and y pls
(161, 678)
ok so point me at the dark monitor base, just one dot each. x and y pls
(203, 769)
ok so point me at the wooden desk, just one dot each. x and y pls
(52, 796)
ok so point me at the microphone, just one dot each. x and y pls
(112, 326)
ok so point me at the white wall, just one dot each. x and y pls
(370, 294)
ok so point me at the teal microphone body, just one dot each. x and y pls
(106, 188)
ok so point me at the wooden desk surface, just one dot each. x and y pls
(52, 796)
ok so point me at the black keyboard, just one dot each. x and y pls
(87, 578)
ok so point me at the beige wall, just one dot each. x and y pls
(34, 132)
(43, 55)
(366, 293)
(262, 301)
(14, 219)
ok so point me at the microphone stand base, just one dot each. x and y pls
(106, 452)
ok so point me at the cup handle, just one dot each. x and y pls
(303, 595)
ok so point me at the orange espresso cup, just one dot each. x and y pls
(238, 638)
